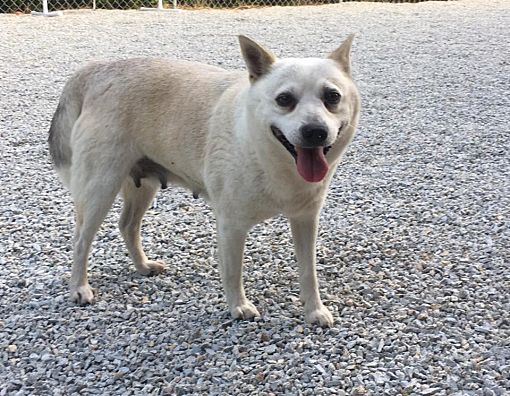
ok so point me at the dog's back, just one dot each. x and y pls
(123, 90)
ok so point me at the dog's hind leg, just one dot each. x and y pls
(92, 204)
(81, 292)
(96, 177)
(136, 201)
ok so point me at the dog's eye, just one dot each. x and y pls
(332, 97)
(285, 99)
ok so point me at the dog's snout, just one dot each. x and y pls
(314, 135)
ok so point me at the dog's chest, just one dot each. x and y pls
(259, 204)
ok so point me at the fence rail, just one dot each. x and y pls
(27, 6)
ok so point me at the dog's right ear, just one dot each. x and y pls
(257, 58)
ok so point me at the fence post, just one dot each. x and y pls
(45, 11)
(161, 8)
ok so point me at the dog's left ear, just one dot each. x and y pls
(342, 55)
(257, 58)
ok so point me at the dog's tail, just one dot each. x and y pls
(59, 140)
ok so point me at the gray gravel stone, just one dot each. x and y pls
(413, 250)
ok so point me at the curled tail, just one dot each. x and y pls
(59, 140)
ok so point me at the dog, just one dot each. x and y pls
(253, 144)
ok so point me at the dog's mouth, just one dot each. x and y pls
(311, 162)
(288, 145)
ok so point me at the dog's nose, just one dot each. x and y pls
(314, 135)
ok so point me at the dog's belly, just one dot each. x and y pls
(147, 168)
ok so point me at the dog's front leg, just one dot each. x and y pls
(304, 233)
(231, 239)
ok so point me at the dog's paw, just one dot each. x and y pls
(82, 295)
(320, 316)
(151, 268)
(244, 311)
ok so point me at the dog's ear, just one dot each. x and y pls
(257, 58)
(342, 55)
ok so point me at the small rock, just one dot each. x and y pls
(380, 378)
(359, 391)
(264, 337)
(423, 315)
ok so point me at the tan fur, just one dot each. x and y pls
(208, 130)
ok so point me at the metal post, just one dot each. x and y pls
(45, 11)
(161, 8)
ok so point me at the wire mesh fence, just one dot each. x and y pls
(27, 6)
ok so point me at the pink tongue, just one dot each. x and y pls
(311, 163)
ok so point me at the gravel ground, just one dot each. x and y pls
(414, 240)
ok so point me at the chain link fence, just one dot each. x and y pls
(27, 6)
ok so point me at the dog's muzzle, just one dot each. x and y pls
(278, 134)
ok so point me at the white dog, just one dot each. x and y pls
(252, 144)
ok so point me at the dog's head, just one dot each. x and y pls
(306, 105)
